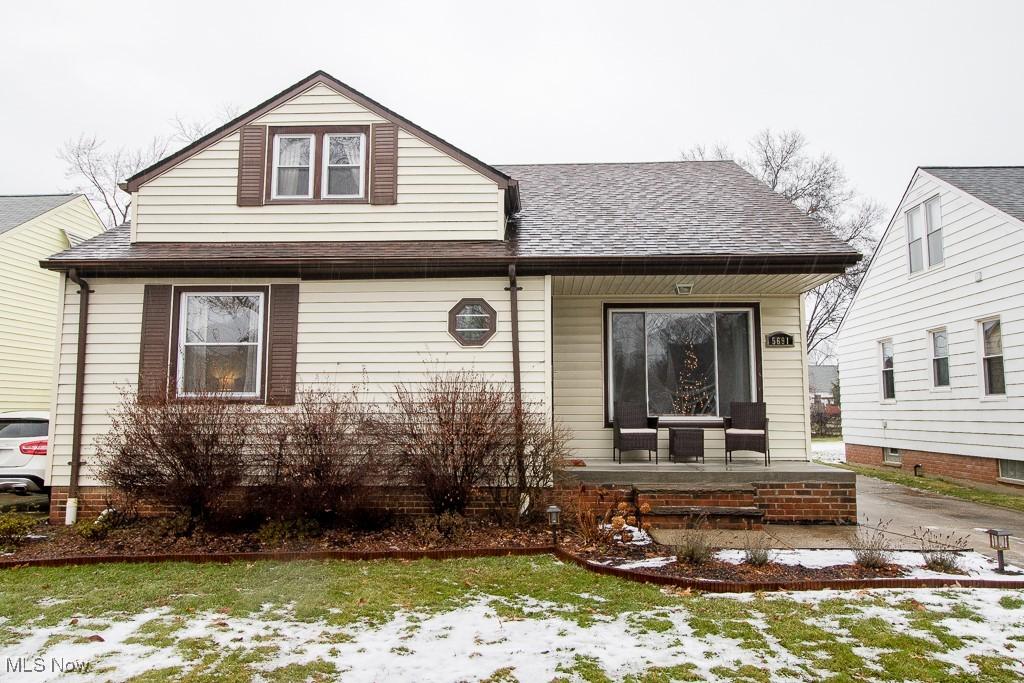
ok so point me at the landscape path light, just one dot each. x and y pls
(554, 512)
(999, 539)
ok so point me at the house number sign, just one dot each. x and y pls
(779, 340)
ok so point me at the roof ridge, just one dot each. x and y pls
(623, 163)
(40, 194)
(925, 168)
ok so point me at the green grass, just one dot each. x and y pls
(825, 640)
(941, 486)
(826, 439)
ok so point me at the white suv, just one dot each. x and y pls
(23, 448)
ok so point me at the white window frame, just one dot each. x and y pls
(882, 370)
(182, 343)
(1003, 477)
(324, 172)
(921, 239)
(610, 388)
(933, 358)
(311, 138)
(892, 456)
(929, 229)
(983, 377)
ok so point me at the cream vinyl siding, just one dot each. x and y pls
(979, 278)
(439, 198)
(28, 301)
(579, 347)
(371, 333)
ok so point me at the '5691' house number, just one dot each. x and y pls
(778, 340)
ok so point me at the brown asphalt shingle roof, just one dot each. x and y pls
(645, 209)
(690, 212)
(21, 208)
(998, 186)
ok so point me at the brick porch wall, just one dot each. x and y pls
(971, 468)
(803, 502)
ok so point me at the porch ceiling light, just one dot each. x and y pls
(684, 288)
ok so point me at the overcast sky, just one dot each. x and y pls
(883, 86)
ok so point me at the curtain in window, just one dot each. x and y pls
(221, 344)
(628, 369)
(293, 161)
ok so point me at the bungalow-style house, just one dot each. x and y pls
(932, 347)
(33, 227)
(323, 238)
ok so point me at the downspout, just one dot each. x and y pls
(71, 511)
(517, 386)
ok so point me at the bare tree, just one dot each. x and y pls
(817, 185)
(97, 169)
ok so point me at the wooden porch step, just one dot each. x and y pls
(709, 510)
(714, 516)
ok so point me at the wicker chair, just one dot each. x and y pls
(747, 430)
(634, 431)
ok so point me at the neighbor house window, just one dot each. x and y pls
(680, 362)
(933, 217)
(940, 358)
(992, 357)
(220, 347)
(472, 322)
(924, 234)
(915, 238)
(293, 166)
(1011, 469)
(888, 369)
(892, 456)
(343, 165)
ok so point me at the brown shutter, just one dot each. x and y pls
(252, 151)
(154, 342)
(281, 345)
(384, 164)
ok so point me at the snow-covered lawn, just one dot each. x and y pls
(828, 451)
(501, 619)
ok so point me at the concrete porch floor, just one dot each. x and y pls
(717, 472)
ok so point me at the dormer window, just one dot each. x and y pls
(313, 164)
(293, 166)
(343, 165)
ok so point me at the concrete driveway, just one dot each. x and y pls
(33, 502)
(910, 509)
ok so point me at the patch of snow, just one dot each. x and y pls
(976, 565)
(828, 451)
(639, 536)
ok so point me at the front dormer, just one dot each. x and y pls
(320, 162)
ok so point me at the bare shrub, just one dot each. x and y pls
(757, 551)
(450, 432)
(870, 546)
(941, 552)
(189, 455)
(313, 461)
(696, 545)
(526, 467)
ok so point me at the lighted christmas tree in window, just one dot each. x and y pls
(694, 392)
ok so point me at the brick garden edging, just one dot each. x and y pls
(558, 552)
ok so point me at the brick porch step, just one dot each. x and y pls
(715, 516)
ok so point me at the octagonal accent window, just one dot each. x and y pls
(472, 322)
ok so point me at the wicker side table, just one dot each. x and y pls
(685, 443)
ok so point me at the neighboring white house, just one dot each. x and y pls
(32, 227)
(932, 348)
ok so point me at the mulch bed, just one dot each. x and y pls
(150, 537)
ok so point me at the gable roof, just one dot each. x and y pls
(16, 209)
(322, 77)
(675, 208)
(635, 218)
(1001, 187)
